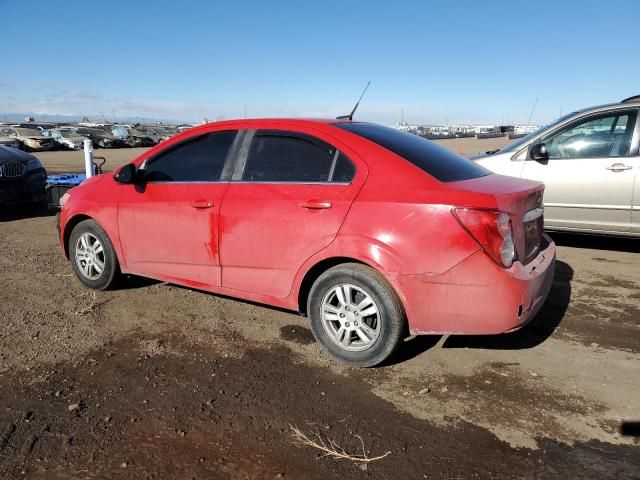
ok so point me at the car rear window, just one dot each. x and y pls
(430, 157)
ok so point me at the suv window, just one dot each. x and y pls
(279, 156)
(430, 157)
(607, 135)
(197, 160)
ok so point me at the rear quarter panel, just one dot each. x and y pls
(401, 220)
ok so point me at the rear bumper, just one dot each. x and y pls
(477, 296)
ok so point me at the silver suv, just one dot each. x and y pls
(590, 164)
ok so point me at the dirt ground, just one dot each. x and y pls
(158, 381)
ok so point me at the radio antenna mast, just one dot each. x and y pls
(350, 116)
(532, 110)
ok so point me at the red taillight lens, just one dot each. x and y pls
(492, 230)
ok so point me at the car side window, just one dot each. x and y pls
(344, 171)
(606, 135)
(279, 156)
(196, 160)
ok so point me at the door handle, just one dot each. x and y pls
(316, 204)
(202, 204)
(619, 167)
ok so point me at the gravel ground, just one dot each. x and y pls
(158, 381)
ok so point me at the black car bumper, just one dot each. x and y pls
(30, 188)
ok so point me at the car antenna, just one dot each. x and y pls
(350, 116)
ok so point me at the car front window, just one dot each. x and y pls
(606, 135)
(200, 159)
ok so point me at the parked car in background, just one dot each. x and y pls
(66, 138)
(22, 177)
(30, 139)
(101, 138)
(137, 138)
(132, 137)
(119, 131)
(8, 141)
(151, 133)
(589, 161)
(372, 232)
(166, 132)
(36, 126)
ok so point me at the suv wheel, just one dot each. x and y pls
(92, 256)
(356, 315)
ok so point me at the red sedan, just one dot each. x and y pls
(372, 233)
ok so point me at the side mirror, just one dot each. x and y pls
(128, 174)
(538, 152)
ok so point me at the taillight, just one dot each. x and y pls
(492, 230)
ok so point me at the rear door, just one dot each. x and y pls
(287, 199)
(590, 174)
(169, 224)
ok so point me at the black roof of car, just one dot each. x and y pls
(634, 99)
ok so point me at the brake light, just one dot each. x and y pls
(492, 230)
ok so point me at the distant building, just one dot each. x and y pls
(524, 129)
(436, 131)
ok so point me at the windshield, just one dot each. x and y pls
(120, 131)
(28, 132)
(68, 133)
(521, 141)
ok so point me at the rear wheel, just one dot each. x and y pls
(92, 256)
(356, 315)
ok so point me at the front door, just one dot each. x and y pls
(168, 224)
(589, 177)
(288, 199)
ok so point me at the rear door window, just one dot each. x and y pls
(196, 160)
(343, 171)
(280, 156)
(430, 157)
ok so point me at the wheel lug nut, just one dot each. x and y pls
(342, 315)
(346, 324)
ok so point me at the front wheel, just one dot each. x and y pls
(92, 256)
(356, 315)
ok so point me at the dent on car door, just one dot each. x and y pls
(287, 201)
(168, 223)
(590, 174)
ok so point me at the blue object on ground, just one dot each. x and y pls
(66, 179)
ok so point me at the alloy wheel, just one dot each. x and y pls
(350, 317)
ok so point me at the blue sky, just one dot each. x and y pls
(465, 62)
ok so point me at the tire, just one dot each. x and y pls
(85, 263)
(344, 326)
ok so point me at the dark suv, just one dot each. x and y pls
(22, 177)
